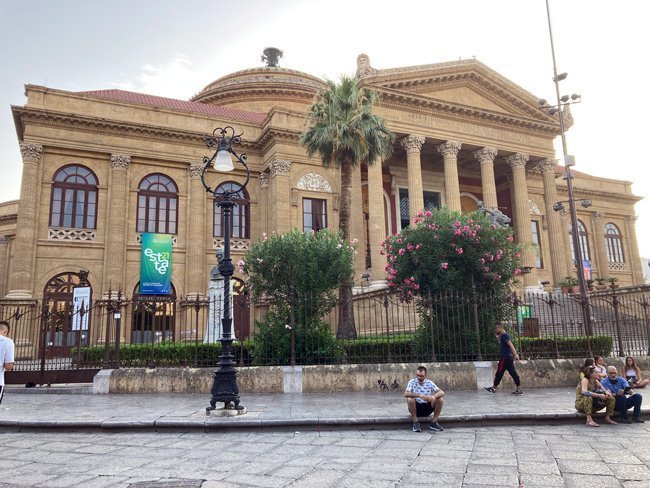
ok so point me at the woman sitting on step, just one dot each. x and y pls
(633, 374)
(591, 397)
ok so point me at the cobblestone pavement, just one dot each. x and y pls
(499, 456)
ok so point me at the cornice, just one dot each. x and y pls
(276, 134)
(8, 219)
(104, 126)
(245, 93)
(580, 193)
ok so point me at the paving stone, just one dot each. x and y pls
(538, 468)
(631, 472)
(490, 479)
(583, 467)
(532, 480)
(582, 481)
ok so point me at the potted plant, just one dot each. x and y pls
(590, 284)
(601, 283)
(567, 284)
(612, 282)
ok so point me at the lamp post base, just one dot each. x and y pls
(224, 389)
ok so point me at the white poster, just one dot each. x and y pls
(80, 301)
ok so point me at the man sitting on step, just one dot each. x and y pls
(424, 398)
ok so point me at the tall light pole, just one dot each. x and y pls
(569, 161)
(224, 386)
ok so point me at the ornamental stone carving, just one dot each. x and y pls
(547, 166)
(264, 179)
(195, 170)
(449, 148)
(314, 182)
(120, 162)
(486, 154)
(412, 143)
(598, 216)
(363, 67)
(517, 160)
(280, 167)
(533, 208)
(631, 219)
(31, 152)
(4, 241)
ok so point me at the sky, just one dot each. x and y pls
(174, 48)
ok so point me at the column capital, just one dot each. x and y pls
(517, 160)
(547, 166)
(4, 241)
(31, 152)
(280, 167)
(631, 219)
(412, 143)
(449, 148)
(486, 154)
(264, 179)
(598, 216)
(120, 162)
(195, 170)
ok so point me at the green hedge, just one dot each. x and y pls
(568, 347)
(369, 349)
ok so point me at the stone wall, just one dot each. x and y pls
(352, 377)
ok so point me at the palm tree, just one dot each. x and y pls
(344, 132)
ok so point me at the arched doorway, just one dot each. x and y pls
(153, 317)
(241, 310)
(63, 328)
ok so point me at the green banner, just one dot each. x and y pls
(156, 264)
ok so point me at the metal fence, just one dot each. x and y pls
(55, 342)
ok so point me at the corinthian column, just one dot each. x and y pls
(486, 157)
(4, 251)
(115, 251)
(522, 215)
(413, 144)
(21, 280)
(556, 233)
(376, 221)
(449, 151)
(357, 222)
(280, 195)
(599, 242)
(195, 235)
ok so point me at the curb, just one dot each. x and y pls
(316, 423)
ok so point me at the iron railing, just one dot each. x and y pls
(165, 331)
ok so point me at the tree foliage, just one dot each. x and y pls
(447, 250)
(297, 273)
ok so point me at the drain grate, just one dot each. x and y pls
(168, 484)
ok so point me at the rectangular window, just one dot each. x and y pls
(537, 240)
(314, 214)
(431, 202)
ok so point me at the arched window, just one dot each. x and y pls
(614, 244)
(583, 239)
(240, 217)
(157, 205)
(74, 198)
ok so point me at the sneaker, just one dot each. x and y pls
(638, 420)
(490, 389)
(436, 426)
(517, 392)
(416, 427)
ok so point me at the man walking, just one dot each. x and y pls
(6, 354)
(423, 398)
(620, 388)
(508, 357)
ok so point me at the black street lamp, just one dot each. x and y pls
(563, 102)
(224, 386)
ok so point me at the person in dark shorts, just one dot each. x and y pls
(507, 363)
(424, 398)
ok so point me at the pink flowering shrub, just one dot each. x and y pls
(443, 250)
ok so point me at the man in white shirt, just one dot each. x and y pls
(6, 354)
(423, 398)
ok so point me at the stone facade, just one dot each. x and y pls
(464, 134)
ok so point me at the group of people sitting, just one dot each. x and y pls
(602, 387)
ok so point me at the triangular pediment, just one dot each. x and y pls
(467, 84)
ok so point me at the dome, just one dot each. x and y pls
(260, 89)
